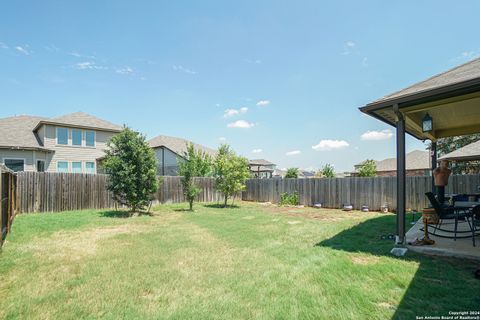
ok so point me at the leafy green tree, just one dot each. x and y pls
(368, 169)
(449, 144)
(291, 173)
(230, 172)
(132, 168)
(328, 171)
(196, 164)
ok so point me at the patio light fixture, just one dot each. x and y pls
(427, 123)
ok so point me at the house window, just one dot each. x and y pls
(62, 136)
(15, 165)
(76, 137)
(90, 138)
(76, 167)
(62, 166)
(90, 167)
(40, 166)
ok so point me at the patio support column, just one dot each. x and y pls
(401, 177)
(434, 162)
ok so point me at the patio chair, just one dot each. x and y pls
(475, 222)
(447, 213)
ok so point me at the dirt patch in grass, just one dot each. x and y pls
(364, 260)
(71, 246)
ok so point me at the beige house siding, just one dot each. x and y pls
(71, 153)
(26, 155)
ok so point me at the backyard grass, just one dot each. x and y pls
(250, 261)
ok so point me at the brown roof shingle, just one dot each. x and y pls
(415, 160)
(17, 132)
(178, 145)
(469, 152)
(461, 73)
(83, 120)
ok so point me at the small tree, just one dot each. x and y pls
(230, 171)
(291, 173)
(368, 169)
(196, 164)
(328, 171)
(132, 168)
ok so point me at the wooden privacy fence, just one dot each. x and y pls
(373, 192)
(53, 192)
(8, 203)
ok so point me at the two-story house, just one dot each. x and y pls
(170, 151)
(261, 168)
(69, 143)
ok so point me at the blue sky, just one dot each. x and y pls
(280, 80)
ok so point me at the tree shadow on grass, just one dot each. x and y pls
(123, 214)
(220, 206)
(439, 284)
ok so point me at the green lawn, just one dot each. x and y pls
(248, 262)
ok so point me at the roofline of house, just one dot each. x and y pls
(45, 122)
(26, 148)
(425, 96)
(163, 146)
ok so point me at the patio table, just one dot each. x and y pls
(465, 204)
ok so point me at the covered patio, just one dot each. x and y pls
(444, 105)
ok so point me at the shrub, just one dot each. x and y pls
(291, 173)
(230, 172)
(132, 168)
(328, 171)
(368, 169)
(289, 199)
(196, 164)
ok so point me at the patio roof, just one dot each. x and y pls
(451, 98)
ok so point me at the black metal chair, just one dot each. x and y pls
(447, 213)
(475, 225)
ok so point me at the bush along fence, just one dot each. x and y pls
(8, 204)
(54, 192)
(373, 192)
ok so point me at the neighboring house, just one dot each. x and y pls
(418, 163)
(302, 174)
(261, 168)
(171, 150)
(306, 174)
(69, 143)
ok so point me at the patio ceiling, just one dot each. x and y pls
(451, 98)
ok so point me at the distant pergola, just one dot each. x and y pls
(451, 99)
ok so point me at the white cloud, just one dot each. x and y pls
(222, 139)
(263, 103)
(80, 55)
(22, 50)
(467, 55)
(327, 145)
(51, 48)
(233, 112)
(257, 151)
(88, 66)
(124, 70)
(180, 68)
(349, 47)
(377, 135)
(242, 124)
(293, 153)
(365, 62)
